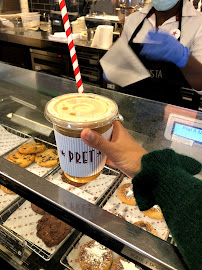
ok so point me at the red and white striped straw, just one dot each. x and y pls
(72, 49)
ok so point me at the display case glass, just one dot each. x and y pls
(92, 210)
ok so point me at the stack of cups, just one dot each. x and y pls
(70, 114)
(103, 37)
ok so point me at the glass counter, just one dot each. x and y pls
(23, 95)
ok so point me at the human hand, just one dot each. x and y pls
(122, 151)
(168, 170)
(159, 45)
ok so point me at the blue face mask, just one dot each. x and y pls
(163, 5)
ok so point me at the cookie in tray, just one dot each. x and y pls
(23, 160)
(154, 224)
(89, 253)
(51, 230)
(42, 165)
(37, 209)
(6, 190)
(93, 255)
(125, 193)
(121, 263)
(45, 232)
(47, 158)
(32, 148)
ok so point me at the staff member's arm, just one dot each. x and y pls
(163, 46)
(193, 73)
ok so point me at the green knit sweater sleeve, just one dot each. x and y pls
(166, 179)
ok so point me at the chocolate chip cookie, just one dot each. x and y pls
(23, 160)
(47, 158)
(51, 230)
(38, 210)
(31, 148)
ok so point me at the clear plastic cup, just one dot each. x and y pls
(70, 114)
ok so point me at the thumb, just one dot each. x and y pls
(95, 140)
(189, 164)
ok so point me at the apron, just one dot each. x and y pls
(166, 79)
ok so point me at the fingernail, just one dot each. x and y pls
(89, 136)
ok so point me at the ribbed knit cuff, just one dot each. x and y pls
(161, 176)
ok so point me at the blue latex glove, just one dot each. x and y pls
(163, 46)
(105, 77)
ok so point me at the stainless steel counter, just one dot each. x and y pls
(88, 57)
(35, 50)
(38, 39)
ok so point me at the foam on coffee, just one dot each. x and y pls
(81, 108)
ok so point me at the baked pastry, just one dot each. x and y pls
(31, 148)
(121, 263)
(126, 195)
(37, 209)
(23, 160)
(6, 190)
(51, 230)
(154, 212)
(146, 225)
(94, 256)
(47, 158)
(66, 180)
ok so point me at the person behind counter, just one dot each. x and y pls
(164, 178)
(166, 35)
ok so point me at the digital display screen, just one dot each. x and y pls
(188, 132)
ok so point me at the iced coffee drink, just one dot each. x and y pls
(70, 114)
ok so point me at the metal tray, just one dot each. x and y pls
(11, 137)
(7, 199)
(95, 191)
(116, 178)
(132, 214)
(73, 251)
(16, 242)
(13, 241)
(33, 167)
(101, 202)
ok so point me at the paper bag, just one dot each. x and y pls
(122, 66)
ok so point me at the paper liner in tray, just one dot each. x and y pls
(132, 214)
(91, 191)
(23, 222)
(71, 259)
(7, 199)
(9, 140)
